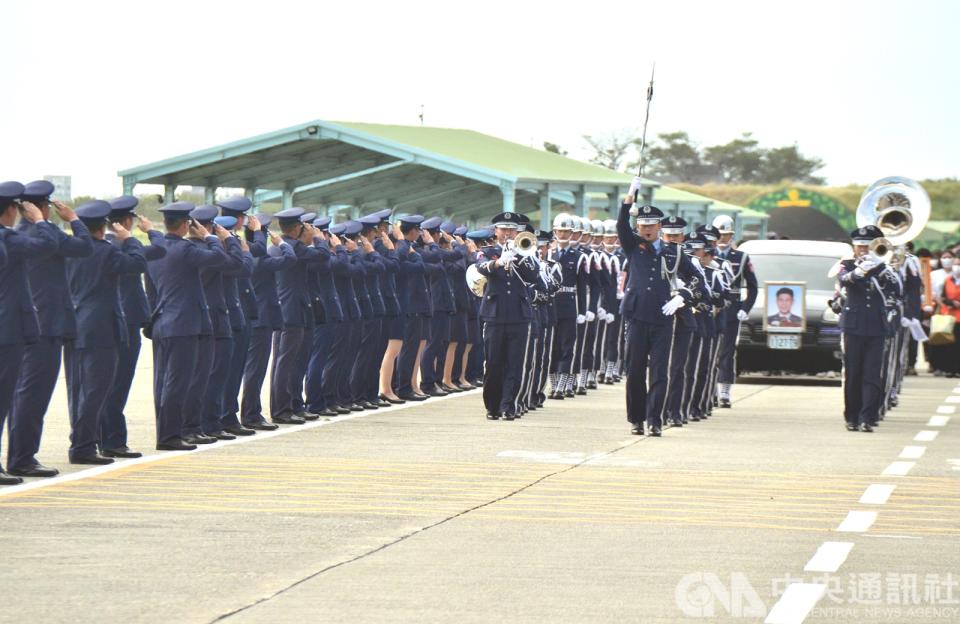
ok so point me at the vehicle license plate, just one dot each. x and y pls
(783, 341)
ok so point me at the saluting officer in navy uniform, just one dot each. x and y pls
(456, 276)
(58, 326)
(18, 316)
(471, 350)
(180, 317)
(365, 376)
(268, 319)
(741, 275)
(327, 328)
(202, 421)
(313, 319)
(91, 360)
(444, 308)
(242, 306)
(506, 314)
(136, 311)
(361, 262)
(654, 292)
(864, 324)
(289, 364)
(391, 338)
(416, 305)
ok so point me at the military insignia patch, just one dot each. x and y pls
(646, 210)
(863, 231)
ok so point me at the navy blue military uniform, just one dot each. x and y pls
(289, 364)
(19, 325)
(41, 360)
(444, 308)
(741, 275)
(506, 314)
(267, 320)
(101, 329)
(136, 311)
(415, 305)
(648, 297)
(865, 326)
(180, 317)
(242, 306)
(327, 327)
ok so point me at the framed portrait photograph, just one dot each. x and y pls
(786, 311)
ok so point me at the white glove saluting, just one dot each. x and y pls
(610, 318)
(742, 316)
(670, 307)
(581, 319)
(635, 186)
(590, 316)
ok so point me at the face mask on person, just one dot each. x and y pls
(947, 263)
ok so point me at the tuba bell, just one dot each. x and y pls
(476, 282)
(881, 250)
(898, 206)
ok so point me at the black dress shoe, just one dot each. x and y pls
(328, 412)
(413, 397)
(288, 419)
(655, 432)
(176, 444)
(866, 428)
(676, 422)
(36, 470)
(199, 438)
(556, 396)
(261, 426)
(94, 460)
(637, 430)
(396, 401)
(852, 427)
(694, 418)
(466, 386)
(221, 435)
(492, 416)
(341, 409)
(569, 394)
(581, 391)
(308, 415)
(382, 403)
(123, 452)
(508, 416)
(239, 430)
(7, 479)
(725, 403)
(450, 389)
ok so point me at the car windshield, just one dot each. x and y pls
(810, 269)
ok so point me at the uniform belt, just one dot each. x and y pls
(568, 289)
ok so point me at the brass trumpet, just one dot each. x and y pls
(524, 244)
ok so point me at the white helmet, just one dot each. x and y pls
(724, 223)
(610, 227)
(563, 221)
(577, 223)
(596, 227)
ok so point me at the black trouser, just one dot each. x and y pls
(648, 346)
(862, 378)
(505, 344)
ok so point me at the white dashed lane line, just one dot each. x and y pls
(829, 557)
(898, 468)
(857, 521)
(796, 603)
(938, 421)
(912, 452)
(877, 494)
(926, 436)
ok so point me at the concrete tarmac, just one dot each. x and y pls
(429, 513)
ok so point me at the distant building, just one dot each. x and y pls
(61, 187)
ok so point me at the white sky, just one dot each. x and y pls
(92, 87)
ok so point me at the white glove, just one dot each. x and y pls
(590, 316)
(610, 318)
(506, 258)
(672, 306)
(635, 186)
(905, 322)
(581, 319)
(601, 313)
(865, 267)
(742, 316)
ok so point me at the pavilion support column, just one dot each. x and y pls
(737, 228)
(509, 191)
(763, 229)
(209, 193)
(287, 200)
(128, 185)
(580, 202)
(169, 192)
(546, 210)
(613, 204)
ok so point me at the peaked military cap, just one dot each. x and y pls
(289, 216)
(648, 215)
(177, 209)
(352, 228)
(308, 217)
(863, 236)
(204, 213)
(321, 222)
(234, 206)
(120, 206)
(337, 229)
(38, 190)
(673, 225)
(227, 222)
(433, 223)
(93, 212)
(510, 220)
(264, 218)
(11, 190)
